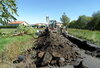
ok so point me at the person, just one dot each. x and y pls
(47, 29)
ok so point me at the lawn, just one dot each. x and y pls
(92, 36)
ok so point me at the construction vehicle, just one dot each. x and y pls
(52, 24)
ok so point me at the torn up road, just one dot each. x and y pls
(54, 50)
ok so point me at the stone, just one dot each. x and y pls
(47, 58)
(40, 54)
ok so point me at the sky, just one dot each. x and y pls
(35, 11)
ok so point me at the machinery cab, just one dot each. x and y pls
(52, 24)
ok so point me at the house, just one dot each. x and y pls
(40, 25)
(59, 24)
(16, 23)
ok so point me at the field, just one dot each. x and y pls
(12, 40)
(91, 36)
(11, 47)
(7, 41)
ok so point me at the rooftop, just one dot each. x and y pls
(16, 22)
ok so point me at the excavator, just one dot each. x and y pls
(52, 24)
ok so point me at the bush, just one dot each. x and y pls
(8, 26)
(25, 29)
(0, 32)
(21, 29)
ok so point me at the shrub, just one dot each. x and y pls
(8, 26)
(25, 29)
(0, 32)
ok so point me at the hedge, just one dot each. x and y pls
(8, 26)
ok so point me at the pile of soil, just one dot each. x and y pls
(54, 49)
(50, 49)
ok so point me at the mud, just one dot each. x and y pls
(53, 49)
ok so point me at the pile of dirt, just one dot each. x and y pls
(51, 49)
(54, 49)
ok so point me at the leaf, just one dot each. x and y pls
(7, 9)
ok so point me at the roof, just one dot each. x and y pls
(16, 22)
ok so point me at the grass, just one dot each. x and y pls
(11, 47)
(7, 41)
(7, 30)
(92, 36)
(2, 65)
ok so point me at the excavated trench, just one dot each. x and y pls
(83, 44)
(57, 49)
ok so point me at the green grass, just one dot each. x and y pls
(92, 36)
(7, 41)
(7, 30)
(24, 40)
(12, 46)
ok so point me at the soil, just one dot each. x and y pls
(52, 50)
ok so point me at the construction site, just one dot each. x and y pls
(49, 34)
(55, 48)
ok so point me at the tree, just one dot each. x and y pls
(65, 20)
(72, 24)
(96, 17)
(95, 22)
(83, 21)
(7, 10)
(97, 26)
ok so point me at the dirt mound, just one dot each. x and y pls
(54, 49)
(51, 48)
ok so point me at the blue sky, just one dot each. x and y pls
(35, 11)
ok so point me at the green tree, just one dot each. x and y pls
(65, 19)
(7, 10)
(97, 26)
(95, 22)
(72, 24)
(83, 21)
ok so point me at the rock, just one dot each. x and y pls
(33, 65)
(61, 62)
(81, 65)
(56, 54)
(20, 58)
(47, 58)
(53, 62)
(40, 54)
